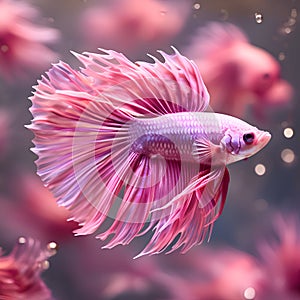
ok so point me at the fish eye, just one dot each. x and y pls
(248, 138)
(266, 76)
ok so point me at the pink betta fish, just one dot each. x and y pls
(36, 205)
(281, 259)
(213, 274)
(20, 271)
(135, 142)
(22, 42)
(237, 74)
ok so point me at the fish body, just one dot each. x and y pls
(136, 142)
(175, 136)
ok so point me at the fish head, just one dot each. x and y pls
(257, 69)
(279, 94)
(253, 141)
(243, 142)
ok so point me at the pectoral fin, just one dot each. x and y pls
(205, 151)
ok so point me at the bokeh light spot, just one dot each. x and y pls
(52, 245)
(52, 248)
(288, 155)
(260, 169)
(281, 56)
(197, 6)
(288, 132)
(44, 265)
(249, 293)
(22, 240)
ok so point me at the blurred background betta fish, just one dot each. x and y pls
(133, 26)
(20, 271)
(237, 73)
(211, 273)
(23, 41)
(225, 273)
(36, 205)
(280, 254)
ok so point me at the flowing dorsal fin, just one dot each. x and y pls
(150, 89)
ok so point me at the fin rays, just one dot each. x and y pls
(82, 122)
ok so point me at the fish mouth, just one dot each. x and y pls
(264, 138)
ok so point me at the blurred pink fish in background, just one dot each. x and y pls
(211, 273)
(20, 271)
(32, 210)
(222, 273)
(22, 42)
(113, 273)
(281, 258)
(208, 273)
(36, 205)
(237, 74)
(133, 26)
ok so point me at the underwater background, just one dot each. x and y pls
(264, 190)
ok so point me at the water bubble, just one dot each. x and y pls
(288, 132)
(260, 169)
(44, 265)
(281, 56)
(52, 247)
(22, 240)
(249, 293)
(288, 155)
(197, 6)
(258, 18)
